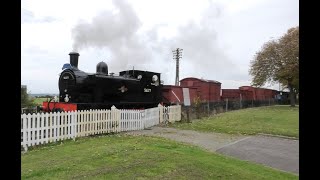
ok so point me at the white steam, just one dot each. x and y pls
(119, 33)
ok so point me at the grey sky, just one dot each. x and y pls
(219, 37)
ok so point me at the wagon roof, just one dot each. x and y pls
(203, 80)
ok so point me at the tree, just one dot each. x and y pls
(278, 61)
(26, 100)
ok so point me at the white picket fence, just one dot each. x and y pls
(173, 113)
(51, 127)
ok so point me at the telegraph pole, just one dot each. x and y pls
(177, 54)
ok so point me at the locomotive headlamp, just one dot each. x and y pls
(140, 76)
(154, 78)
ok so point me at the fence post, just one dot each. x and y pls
(33, 129)
(118, 119)
(37, 126)
(58, 118)
(144, 119)
(74, 124)
(169, 114)
(115, 118)
(28, 142)
(208, 107)
(226, 104)
(240, 101)
(160, 108)
(46, 127)
(179, 112)
(188, 114)
(24, 138)
(113, 108)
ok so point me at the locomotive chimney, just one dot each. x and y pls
(74, 59)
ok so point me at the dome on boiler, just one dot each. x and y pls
(102, 68)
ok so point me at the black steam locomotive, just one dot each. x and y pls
(80, 90)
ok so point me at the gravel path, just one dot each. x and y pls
(276, 152)
(209, 141)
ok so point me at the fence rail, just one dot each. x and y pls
(51, 127)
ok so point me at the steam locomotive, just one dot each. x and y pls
(136, 89)
(79, 90)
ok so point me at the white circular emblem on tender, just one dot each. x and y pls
(123, 89)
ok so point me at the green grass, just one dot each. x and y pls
(38, 101)
(277, 120)
(136, 157)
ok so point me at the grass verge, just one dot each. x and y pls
(276, 120)
(136, 157)
(38, 101)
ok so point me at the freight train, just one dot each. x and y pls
(79, 90)
(204, 91)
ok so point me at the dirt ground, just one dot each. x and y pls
(209, 141)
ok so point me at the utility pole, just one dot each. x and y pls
(177, 54)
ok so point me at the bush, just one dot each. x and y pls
(26, 100)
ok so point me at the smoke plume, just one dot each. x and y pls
(115, 31)
(119, 33)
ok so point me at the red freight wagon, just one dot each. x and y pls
(246, 95)
(208, 90)
(248, 92)
(230, 94)
(260, 94)
(174, 94)
(263, 93)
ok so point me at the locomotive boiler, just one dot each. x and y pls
(81, 90)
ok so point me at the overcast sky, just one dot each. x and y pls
(219, 37)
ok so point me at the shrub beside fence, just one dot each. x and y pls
(51, 127)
